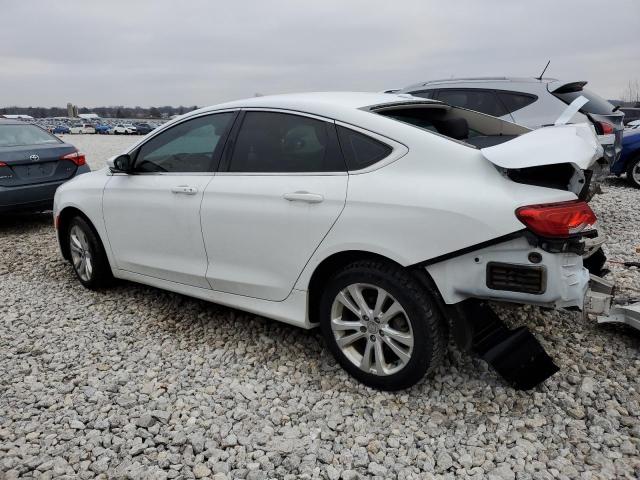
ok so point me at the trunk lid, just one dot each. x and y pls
(26, 165)
(574, 143)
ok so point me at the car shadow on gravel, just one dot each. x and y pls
(24, 222)
(165, 305)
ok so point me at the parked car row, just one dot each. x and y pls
(104, 127)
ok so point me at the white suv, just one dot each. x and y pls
(376, 217)
(531, 102)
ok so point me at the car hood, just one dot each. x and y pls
(575, 143)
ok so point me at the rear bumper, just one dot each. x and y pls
(562, 280)
(32, 197)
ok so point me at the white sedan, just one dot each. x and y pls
(82, 128)
(123, 129)
(377, 217)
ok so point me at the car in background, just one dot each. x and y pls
(631, 115)
(102, 128)
(144, 128)
(33, 164)
(59, 129)
(360, 235)
(123, 129)
(632, 125)
(629, 161)
(532, 102)
(82, 128)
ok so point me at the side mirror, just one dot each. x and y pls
(120, 164)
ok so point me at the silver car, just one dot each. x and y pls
(532, 102)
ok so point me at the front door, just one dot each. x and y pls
(284, 187)
(152, 215)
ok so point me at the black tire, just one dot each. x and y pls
(100, 275)
(420, 311)
(634, 164)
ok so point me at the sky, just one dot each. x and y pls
(203, 52)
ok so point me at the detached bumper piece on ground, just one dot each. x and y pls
(514, 353)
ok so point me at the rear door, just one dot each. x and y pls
(29, 155)
(280, 189)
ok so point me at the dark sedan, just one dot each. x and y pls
(144, 128)
(33, 163)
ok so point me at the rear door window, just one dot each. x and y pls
(361, 151)
(596, 104)
(514, 101)
(273, 142)
(483, 101)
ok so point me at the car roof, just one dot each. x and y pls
(327, 104)
(553, 83)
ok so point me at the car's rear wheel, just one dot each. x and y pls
(381, 325)
(87, 255)
(633, 172)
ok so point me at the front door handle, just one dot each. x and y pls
(303, 197)
(185, 190)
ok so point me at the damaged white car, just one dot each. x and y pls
(376, 217)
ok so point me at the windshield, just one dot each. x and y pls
(596, 103)
(19, 135)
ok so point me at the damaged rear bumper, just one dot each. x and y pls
(529, 271)
(520, 270)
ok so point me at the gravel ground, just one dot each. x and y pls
(135, 382)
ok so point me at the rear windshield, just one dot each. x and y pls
(596, 103)
(19, 135)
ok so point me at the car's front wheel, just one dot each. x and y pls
(382, 325)
(87, 255)
(633, 172)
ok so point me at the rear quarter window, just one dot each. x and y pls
(359, 150)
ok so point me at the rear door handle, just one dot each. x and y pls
(303, 197)
(185, 190)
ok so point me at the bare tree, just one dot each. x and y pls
(631, 92)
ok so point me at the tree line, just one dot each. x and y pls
(104, 112)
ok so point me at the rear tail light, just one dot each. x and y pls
(76, 157)
(557, 219)
(605, 128)
(2, 164)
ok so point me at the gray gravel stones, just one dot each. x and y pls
(138, 383)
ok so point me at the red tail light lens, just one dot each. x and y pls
(76, 157)
(606, 128)
(557, 219)
(2, 164)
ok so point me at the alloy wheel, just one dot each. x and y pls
(372, 329)
(81, 255)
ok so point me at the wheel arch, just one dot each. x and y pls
(331, 264)
(62, 222)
